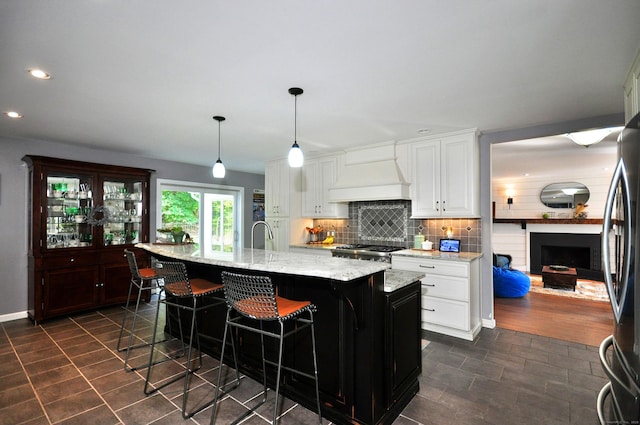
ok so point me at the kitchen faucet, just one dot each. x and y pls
(269, 231)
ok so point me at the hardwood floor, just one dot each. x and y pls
(582, 321)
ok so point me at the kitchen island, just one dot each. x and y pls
(368, 338)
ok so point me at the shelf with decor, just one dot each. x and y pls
(83, 216)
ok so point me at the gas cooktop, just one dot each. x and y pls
(370, 248)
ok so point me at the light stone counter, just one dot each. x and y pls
(341, 269)
(437, 255)
(396, 279)
(315, 246)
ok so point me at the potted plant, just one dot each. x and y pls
(176, 232)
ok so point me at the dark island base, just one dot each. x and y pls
(368, 345)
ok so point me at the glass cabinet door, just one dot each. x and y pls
(123, 210)
(69, 204)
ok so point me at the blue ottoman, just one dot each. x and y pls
(509, 283)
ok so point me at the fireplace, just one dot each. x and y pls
(581, 251)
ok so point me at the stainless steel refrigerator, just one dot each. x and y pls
(619, 400)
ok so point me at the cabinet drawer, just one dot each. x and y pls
(69, 261)
(456, 288)
(428, 266)
(453, 314)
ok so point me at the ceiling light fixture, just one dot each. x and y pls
(13, 114)
(39, 74)
(218, 167)
(296, 159)
(590, 137)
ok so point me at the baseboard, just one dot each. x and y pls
(489, 323)
(13, 316)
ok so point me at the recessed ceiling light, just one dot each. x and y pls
(39, 74)
(13, 114)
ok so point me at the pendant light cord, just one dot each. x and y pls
(295, 119)
(218, 140)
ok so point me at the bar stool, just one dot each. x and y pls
(144, 279)
(254, 297)
(178, 287)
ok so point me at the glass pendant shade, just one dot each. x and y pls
(296, 158)
(218, 169)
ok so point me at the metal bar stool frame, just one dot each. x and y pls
(178, 286)
(254, 297)
(144, 279)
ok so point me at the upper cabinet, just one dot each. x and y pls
(277, 184)
(632, 91)
(317, 176)
(444, 176)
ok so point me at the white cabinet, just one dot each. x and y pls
(281, 234)
(632, 91)
(445, 177)
(450, 294)
(277, 182)
(317, 176)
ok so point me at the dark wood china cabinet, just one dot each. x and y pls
(83, 216)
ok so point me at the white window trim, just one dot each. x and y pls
(236, 191)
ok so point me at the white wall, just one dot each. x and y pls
(14, 203)
(526, 201)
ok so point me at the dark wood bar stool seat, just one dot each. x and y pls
(254, 298)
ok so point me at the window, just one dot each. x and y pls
(210, 214)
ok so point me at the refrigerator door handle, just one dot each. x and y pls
(633, 390)
(602, 396)
(618, 291)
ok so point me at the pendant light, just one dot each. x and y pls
(218, 167)
(296, 158)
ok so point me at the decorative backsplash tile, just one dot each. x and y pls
(382, 223)
(388, 223)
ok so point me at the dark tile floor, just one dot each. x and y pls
(67, 371)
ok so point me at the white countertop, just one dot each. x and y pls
(341, 269)
(315, 246)
(396, 279)
(437, 255)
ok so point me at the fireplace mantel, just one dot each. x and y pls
(524, 221)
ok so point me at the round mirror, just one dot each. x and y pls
(564, 195)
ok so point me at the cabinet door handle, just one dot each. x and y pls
(430, 309)
(437, 205)
(443, 206)
(427, 267)
(430, 284)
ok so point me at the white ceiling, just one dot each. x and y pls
(146, 76)
(542, 157)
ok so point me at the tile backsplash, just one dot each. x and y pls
(388, 223)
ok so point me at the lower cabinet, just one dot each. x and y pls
(450, 294)
(64, 284)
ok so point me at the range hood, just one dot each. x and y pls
(369, 174)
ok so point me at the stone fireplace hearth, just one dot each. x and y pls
(581, 251)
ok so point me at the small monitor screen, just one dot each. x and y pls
(450, 245)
